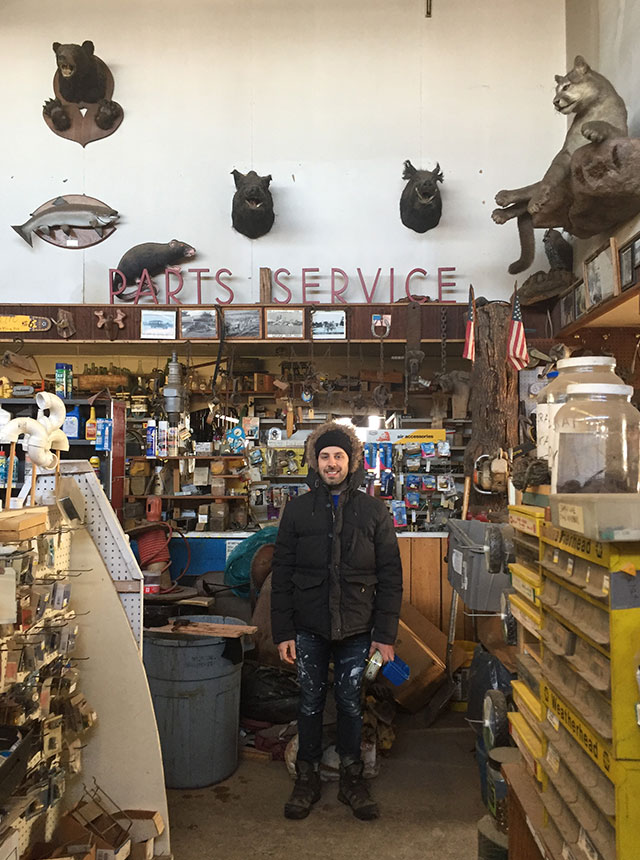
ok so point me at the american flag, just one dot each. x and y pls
(517, 352)
(470, 334)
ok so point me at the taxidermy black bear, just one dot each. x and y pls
(82, 79)
(421, 204)
(252, 208)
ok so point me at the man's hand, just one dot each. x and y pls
(387, 652)
(287, 651)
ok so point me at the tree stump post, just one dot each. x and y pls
(494, 396)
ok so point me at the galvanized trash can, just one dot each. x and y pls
(195, 687)
(467, 569)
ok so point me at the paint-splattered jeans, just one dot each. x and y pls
(349, 659)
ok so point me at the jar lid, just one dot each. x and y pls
(598, 388)
(586, 360)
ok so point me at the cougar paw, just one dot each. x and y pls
(506, 198)
(500, 216)
(596, 131)
(538, 203)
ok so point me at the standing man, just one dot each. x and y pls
(336, 592)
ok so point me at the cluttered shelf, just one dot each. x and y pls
(192, 457)
(187, 496)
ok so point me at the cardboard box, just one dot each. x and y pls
(424, 648)
(74, 832)
(145, 826)
(263, 383)
(20, 524)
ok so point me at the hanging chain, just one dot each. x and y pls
(381, 370)
(443, 339)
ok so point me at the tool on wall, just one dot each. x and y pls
(64, 323)
(490, 473)
(111, 324)
(381, 394)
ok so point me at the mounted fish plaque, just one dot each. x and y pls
(82, 109)
(72, 221)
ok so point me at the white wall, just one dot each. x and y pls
(619, 29)
(329, 96)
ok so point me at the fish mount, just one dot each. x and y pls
(83, 109)
(73, 221)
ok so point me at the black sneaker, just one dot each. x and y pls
(355, 792)
(305, 792)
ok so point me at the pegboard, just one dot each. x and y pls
(106, 531)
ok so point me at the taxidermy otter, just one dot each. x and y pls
(600, 114)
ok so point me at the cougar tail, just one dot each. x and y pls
(527, 244)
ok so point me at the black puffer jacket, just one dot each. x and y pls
(336, 573)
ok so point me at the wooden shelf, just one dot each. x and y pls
(191, 497)
(192, 457)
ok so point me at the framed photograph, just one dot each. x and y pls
(328, 325)
(196, 323)
(600, 276)
(285, 322)
(244, 322)
(567, 309)
(627, 272)
(580, 300)
(158, 325)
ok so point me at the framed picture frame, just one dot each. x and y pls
(198, 323)
(284, 323)
(626, 268)
(580, 300)
(157, 325)
(328, 325)
(243, 323)
(600, 275)
(636, 252)
(567, 308)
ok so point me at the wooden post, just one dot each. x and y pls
(34, 472)
(12, 457)
(494, 396)
(265, 287)
(57, 474)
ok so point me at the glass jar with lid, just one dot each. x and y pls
(595, 482)
(584, 368)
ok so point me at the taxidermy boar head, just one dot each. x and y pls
(420, 204)
(252, 209)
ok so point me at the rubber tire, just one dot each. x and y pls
(494, 548)
(509, 623)
(495, 732)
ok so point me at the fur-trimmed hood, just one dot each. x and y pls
(355, 461)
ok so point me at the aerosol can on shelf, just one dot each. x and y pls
(152, 439)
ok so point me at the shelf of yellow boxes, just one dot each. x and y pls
(524, 606)
(590, 603)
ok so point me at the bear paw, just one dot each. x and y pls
(57, 114)
(107, 115)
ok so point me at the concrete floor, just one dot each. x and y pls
(428, 789)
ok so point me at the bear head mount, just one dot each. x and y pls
(420, 203)
(82, 109)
